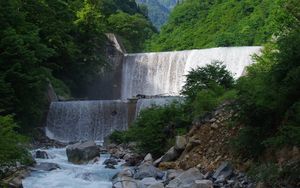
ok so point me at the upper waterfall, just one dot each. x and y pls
(163, 73)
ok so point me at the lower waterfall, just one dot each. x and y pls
(85, 120)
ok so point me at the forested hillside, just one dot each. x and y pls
(158, 10)
(202, 24)
(61, 42)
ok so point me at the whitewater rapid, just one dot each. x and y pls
(70, 175)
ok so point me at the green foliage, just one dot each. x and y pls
(155, 129)
(118, 137)
(211, 23)
(58, 41)
(212, 75)
(268, 173)
(134, 29)
(11, 143)
(269, 95)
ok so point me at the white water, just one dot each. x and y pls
(164, 73)
(85, 120)
(70, 175)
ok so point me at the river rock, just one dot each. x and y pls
(148, 170)
(148, 158)
(186, 179)
(180, 143)
(126, 182)
(202, 184)
(148, 181)
(46, 166)
(223, 172)
(41, 154)
(80, 153)
(156, 185)
(111, 161)
(170, 155)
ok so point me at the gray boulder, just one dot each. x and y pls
(149, 181)
(157, 185)
(224, 171)
(202, 184)
(170, 155)
(180, 143)
(148, 170)
(80, 153)
(186, 179)
(110, 161)
(148, 158)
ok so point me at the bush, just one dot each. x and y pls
(11, 143)
(154, 130)
(268, 173)
(205, 78)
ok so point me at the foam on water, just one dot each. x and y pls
(70, 175)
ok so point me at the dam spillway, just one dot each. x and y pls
(149, 74)
(164, 73)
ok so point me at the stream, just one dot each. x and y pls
(70, 175)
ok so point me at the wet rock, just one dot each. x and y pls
(111, 166)
(223, 172)
(133, 160)
(80, 153)
(15, 179)
(110, 161)
(180, 143)
(46, 166)
(41, 154)
(186, 179)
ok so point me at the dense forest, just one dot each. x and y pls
(59, 42)
(203, 24)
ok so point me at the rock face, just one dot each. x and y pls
(80, 153)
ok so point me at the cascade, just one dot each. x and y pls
(150, 74)
(164, 73)
(85, 120)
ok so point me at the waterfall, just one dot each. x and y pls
(164, 73)
(85, 120)
(161, 74)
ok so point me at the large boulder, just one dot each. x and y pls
(148, 170)
(81, 153)
(186, 179)
(170, 155)
(202, 184)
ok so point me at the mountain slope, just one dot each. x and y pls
(158, 10)
(211, 23)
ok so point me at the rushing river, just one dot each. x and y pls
(70, 175)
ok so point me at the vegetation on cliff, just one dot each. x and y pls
(202, 24)
(59, 42)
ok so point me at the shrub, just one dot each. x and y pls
(156, 127)
(267, 173)
(11, 143)
(205, 78)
